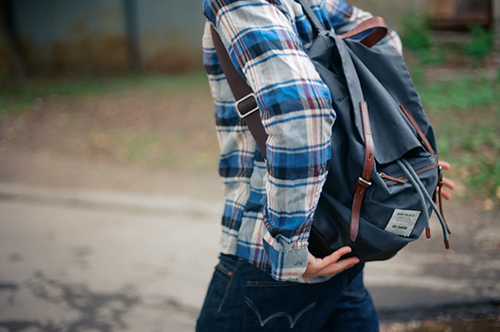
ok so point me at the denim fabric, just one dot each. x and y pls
(244, 298)
(354, 311)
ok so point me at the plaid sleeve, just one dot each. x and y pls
(296, 111)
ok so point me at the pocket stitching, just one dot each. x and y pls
(292, 320)
(230, 274)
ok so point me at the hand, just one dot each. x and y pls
(330, 265)
(447, 182)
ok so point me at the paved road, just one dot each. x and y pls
(97, 261)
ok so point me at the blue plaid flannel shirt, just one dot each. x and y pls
(270, 205)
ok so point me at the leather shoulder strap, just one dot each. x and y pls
(376, 24)
(379, 31)
(246, 103)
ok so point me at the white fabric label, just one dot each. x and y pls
(402, 222)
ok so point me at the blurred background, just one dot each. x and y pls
(109, 193)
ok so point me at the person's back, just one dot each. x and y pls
(267, 280)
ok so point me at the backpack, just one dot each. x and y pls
(384, 169)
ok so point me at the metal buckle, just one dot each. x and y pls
(363, 181)
(238, 102)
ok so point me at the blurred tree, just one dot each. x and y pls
(7, 33)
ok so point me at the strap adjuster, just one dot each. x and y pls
(364, 182)
(238, 102)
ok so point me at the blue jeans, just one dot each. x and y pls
(242, 298)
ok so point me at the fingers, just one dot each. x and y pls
(337, 267)
(444, 164)
(446, 194)
(336, 255)
(329, 265)
(446, 182)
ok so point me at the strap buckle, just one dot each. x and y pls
(364, 182)
(238, 102)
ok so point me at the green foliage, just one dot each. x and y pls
(487, 177)
(136, 147)
(417, 38)
(432, 56)
(463, 94)
(416, 34)
(16, 95)
(473, 147)
(481, 43)
(466, 116)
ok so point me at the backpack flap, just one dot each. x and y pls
(388, 66)
(387, 85)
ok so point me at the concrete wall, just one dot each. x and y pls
(64, 36)
(170, 33)
(68, 36)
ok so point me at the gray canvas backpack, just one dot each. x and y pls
(384, 168)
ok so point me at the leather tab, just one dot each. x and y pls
(359, 192)
(420, 134)
(374, 37)
(440, 197)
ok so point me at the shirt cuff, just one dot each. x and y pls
(286, 265)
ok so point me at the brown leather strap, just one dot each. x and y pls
(374, 37)
(419, 131)
(440, 186)
(440, 199)
(371, 39)
(363, 181)
(242, 93)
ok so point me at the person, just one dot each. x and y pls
(266, 279)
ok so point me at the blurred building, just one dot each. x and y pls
(444, 14)
(110, 36)
(103, 36)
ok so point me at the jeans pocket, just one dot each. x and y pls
(228, 264)
(212, 316)
(225, 270)
(273, 306)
